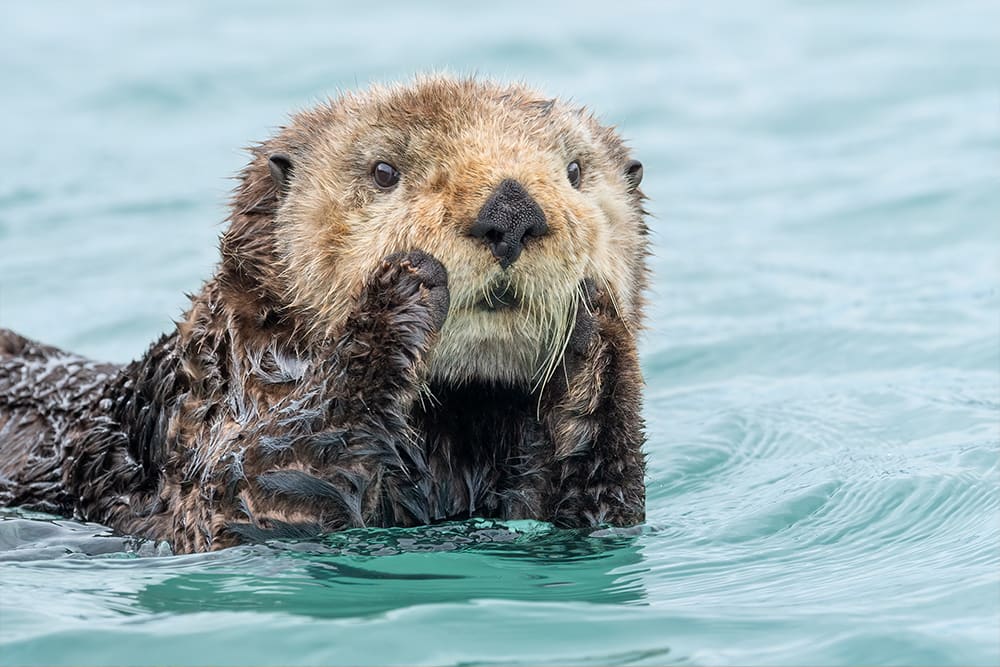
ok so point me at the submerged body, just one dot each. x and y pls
(425, 309)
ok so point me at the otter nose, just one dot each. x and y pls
(507, 219)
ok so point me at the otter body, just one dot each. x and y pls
(425, 309)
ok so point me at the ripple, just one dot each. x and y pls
(822, 362)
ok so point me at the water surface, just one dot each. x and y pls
(822, 360)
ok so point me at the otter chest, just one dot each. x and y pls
(478, 440)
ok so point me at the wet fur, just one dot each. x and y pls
(314, 386)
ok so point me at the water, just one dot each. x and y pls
(823, 358)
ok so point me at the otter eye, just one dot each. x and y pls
(573, 173)
(385, 175)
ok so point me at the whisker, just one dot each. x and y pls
(561, 335)
(614, 304)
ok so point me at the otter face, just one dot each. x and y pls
(520, 197)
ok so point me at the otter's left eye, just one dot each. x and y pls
(573, 173)
(385, 175)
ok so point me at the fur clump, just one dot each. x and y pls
(360, 356)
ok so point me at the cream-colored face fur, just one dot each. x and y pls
(453, 142)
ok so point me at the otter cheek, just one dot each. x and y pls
(422, 227)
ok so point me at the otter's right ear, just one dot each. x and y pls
(280, 166)
(633, 174)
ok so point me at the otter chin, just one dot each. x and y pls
(500, 295)
(425, 309)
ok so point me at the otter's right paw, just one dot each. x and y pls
(415, 277)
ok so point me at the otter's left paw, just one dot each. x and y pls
(585, 327)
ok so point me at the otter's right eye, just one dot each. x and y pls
(573, 174)
(385, 175)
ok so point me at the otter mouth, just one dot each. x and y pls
(499, 296)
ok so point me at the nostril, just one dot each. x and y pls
(497, 243)
(537, 229)
(495, 240)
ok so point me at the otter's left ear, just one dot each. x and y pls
(280, 166)
(633, 174)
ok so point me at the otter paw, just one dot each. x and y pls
(585, 326)
(417, 276)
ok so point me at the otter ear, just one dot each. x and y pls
(280, 166)
(633, 174)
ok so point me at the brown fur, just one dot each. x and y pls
(340, 370)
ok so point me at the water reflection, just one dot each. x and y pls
(367, 572)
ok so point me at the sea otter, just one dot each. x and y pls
(425, 309)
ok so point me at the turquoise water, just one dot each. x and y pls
(822, 360)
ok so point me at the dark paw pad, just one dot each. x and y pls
(422, 266)
(421, 276)
(585, 326)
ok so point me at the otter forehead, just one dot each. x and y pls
(449, 106)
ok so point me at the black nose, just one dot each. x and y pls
(507, 219)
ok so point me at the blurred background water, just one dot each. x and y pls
(822, 360)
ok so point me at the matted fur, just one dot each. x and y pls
(341, 369)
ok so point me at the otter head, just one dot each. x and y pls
(519, 196)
